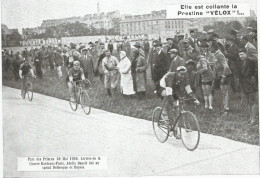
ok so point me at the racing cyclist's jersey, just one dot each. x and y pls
(180, 86)
(76, 74)
(25, 68)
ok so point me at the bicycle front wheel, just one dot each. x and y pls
(85, 102)
(73, 101)
(30, 91)
(160, 128)
(189, 130)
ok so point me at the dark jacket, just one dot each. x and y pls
(161, 66)
(248, 80)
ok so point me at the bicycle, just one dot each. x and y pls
(28, 89)
(186, 122)
(81, 96)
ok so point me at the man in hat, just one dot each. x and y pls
(214, 38)
(171, 45)
(188, 51)
(232, 50)
(146, 48)
(87, 64)
(176, 60)
(192, 40)
(160, 66)
(249, 84)
(110, 46)
(138, 46)
(126, 47)
(233, 35)
(151, 60)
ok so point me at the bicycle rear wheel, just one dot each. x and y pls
(85, 102)
(30, 91)
(73, 103)
(161, 130)
(189, 130)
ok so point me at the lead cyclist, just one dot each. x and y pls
(175, 84)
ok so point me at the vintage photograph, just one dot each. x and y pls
(129, 88)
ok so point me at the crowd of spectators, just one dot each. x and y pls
(210, 64)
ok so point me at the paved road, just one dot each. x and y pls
(47, 127)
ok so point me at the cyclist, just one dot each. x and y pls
(25, 70)
(75, 74)
(176, 85)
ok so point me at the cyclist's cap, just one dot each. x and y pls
(85, 49)
(76, 63)
(181, 68)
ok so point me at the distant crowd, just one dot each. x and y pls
(211, 64)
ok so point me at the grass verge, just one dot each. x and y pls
(235, 126)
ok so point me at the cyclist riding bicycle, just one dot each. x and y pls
(175, 84)
(25, 71)
(75, 74)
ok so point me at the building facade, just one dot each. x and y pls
(97, 20)
(157, 23)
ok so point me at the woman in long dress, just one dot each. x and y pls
(124, 68)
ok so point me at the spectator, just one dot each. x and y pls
(191, 75)
(146, 48)
(176, 60)
(99, 68)
(214, 38)
(188, 51)
(251, 53)
(234, 63)
(160, 66)
(87, 64)
(126, 80)
(58, 61)
(248, 85)
(192, 40)
(151, 60)
(207, 77)
(222, 74)
(109, 65)
(171, 45)
(110, 46)
(139, 73)
(126, 47)
(16, 65)
(38, 64)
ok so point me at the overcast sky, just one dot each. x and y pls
(30, 13)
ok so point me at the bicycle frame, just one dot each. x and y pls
(181, 110)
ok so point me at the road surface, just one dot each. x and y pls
(48, 127)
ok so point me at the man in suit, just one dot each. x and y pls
(176, 60)
(160, 66)
(87, 64)
(234, 63)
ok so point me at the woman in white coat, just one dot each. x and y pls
(124, 68)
